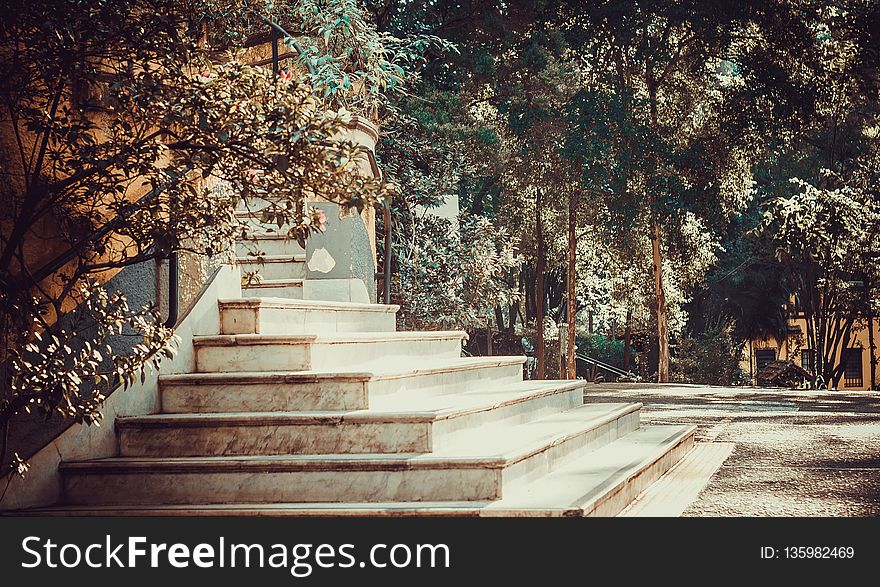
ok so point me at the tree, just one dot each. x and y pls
(351, 61)
(745, 295)
(660, 91)
(131, 130)
(528, 61)
(823, 235)
(809, 86)
(453, 276)
(681, 116)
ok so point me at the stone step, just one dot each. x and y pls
(329, 390)
(402, 423)
(254, 219)
(671, 495)
(508, 458)
(267, 352)
(269, 243)
(486, 406)
(254, 211)
(254, 203)
(275, 266)
(282, 316)
(277, 288)
(603, 482)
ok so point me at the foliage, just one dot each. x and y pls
(349, 62)
(423, 152)
(616, 107)
(452, 276)
(709, 358)
(746, 290)
(602, 348)
(128, 134)
(69, 370)
(846, 222)
(826, 237)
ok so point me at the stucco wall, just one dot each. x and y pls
(30, 432)
(42, 485)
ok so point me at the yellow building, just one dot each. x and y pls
(855, 357)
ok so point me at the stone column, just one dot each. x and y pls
(341, 262)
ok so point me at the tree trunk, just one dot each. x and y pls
(499, 319)
(821, 322)
(660, 291)
(835, 323)
(812, 341)
(516, 308)
(627, 340)
(539, 288)
(554, 287)
(528, 287)
(480, 194)
(4, 442)
(570, 367)
(489, 350)
(872, 347)
(656, 242)
(563, 345)
(752, 362)
(838, 337)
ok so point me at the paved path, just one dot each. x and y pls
(795, 454)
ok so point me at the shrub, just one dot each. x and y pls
(710, 358)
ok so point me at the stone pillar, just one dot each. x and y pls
(363, 132)
(341, 262)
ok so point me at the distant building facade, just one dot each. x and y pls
(855, 356)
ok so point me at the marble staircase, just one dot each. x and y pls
(306, 407)
(280, 269)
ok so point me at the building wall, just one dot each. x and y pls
(790, 349)
(42, 486)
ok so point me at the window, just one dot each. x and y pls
(808, 360)
(763, 357)
(852, 367)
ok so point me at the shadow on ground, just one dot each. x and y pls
(797, 453)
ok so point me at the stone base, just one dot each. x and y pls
(336, 290)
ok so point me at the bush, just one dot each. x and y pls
(452, 277)
(709, 358)
(603, 349)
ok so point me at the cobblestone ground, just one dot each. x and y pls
(796, 453)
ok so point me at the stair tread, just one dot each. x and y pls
(457, 508)
(671, 495)
(341, 337)
(515, 442)
(576, 486)
(393, 407)
(275, 235)
(291, 282)
(485, 395)
(287, 303)
(570, 490)
(504, 446)
(295, 258)
(378, 370)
